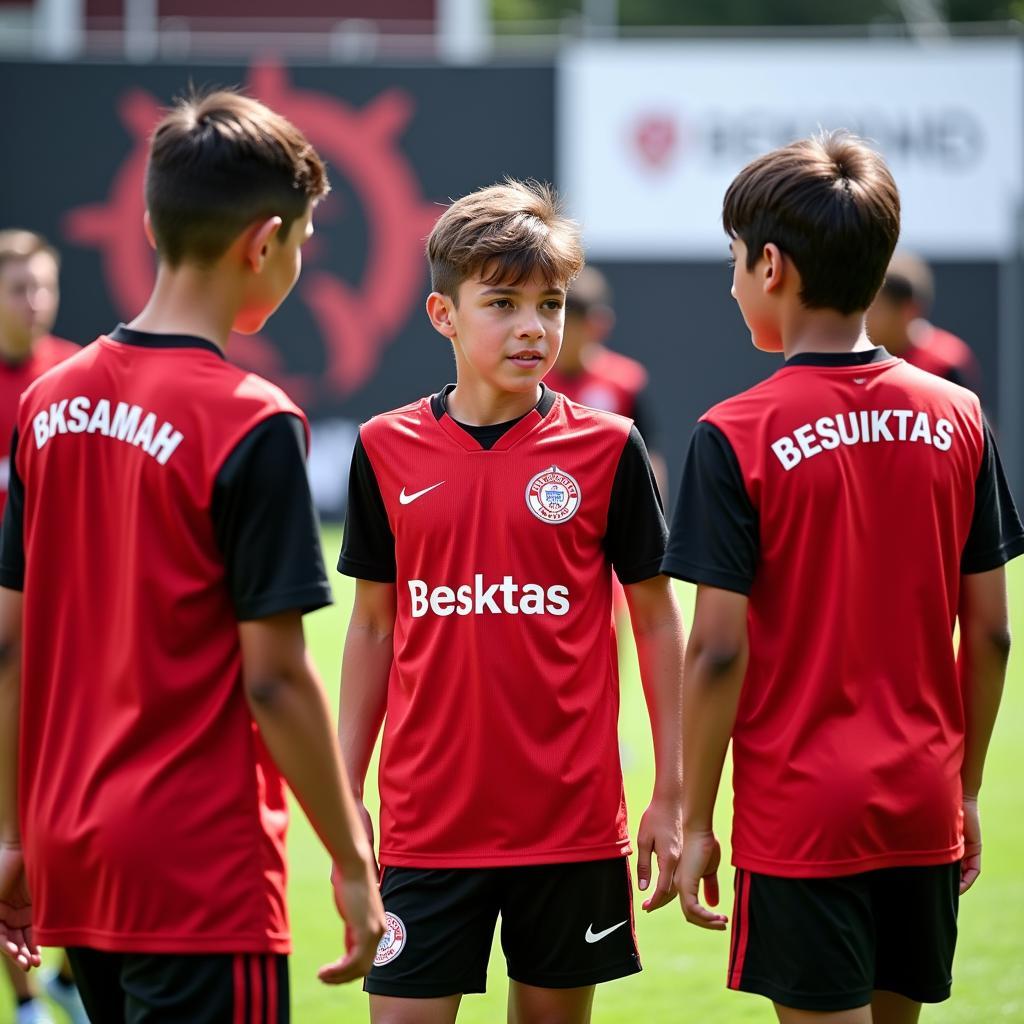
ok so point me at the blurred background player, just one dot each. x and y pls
(898, 321)
(29, 294)
(589, 372)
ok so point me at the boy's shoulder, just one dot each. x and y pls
(574, 416)
(404, 417)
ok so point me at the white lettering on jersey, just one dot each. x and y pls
(479, 599)
(77, 416)
(861, 427)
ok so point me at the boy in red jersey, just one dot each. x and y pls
(898, 320)
(159, 548)
(28, 309)
(856, 759)
(484, 522)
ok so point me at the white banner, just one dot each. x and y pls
(651, 134)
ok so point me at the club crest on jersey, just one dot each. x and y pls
(553, 496)
(393, 941)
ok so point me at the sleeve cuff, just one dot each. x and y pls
(986, 562)
(302, 599)
(363, 571)
(638, 573)
(703, 575)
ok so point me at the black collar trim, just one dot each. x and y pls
(146, 339)
(439, 406)
(872, 355)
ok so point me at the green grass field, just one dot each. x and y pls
(684, 968)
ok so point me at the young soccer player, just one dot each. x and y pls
(484, 522)
(29, 296)
(159, 549)
(898, 320)
(822, 637)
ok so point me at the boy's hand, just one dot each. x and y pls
(970, 866)
(359, 905)
(661, 833)
(700, 860)
(16, 910)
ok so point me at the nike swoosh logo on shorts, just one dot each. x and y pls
(406, 499)
(593, 936)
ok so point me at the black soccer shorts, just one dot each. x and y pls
(826, 944)
(200, 988)
(562, 926)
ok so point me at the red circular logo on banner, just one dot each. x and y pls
(356, 320)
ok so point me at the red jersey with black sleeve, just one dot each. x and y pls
(845, 495)
(500, 740)
(158, 497)
(47, 352)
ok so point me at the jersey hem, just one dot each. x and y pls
(162, 942)
(703, 576)
(838, 868)
(307, 598)
(606, 851)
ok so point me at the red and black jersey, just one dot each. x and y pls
(47, 352)
(845, 495)
(945, 355)
(609, 381)
(500, 741)
(146, 470)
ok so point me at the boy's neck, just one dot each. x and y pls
(482, 406)
(826, 331)
(189, 300)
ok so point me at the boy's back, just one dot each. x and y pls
(132, 640)
(856, 484)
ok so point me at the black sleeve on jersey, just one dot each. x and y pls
(996, 533)
(645, 420)
(715, 536)
(368, 550)
(266, 525)
(636, 533)
(12, 541)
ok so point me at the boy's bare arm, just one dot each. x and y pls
(658, 631)
(716, 662)
(365, 668)
(290, 708)
(981, 664)
(15, 906)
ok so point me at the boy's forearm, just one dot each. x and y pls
(295, 723)
(366, 668)
(10, 711)
(660, 647)
(711, 690)
(982, 669)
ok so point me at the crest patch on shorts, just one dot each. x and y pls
(393, 941)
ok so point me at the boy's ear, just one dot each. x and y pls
(774, 266)
(440, 309)
(258, 244)
(147, 227)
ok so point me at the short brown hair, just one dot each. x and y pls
(22, 244)
(909, 279)
(589, 291)
(507, 232)
(831, 205)
(220, 162)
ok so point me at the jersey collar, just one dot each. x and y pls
(871, 355)
(517, 429)
(145, 339)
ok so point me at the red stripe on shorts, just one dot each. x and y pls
(239, 972)
(740, 928)
(271, 964)
(256, 989)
